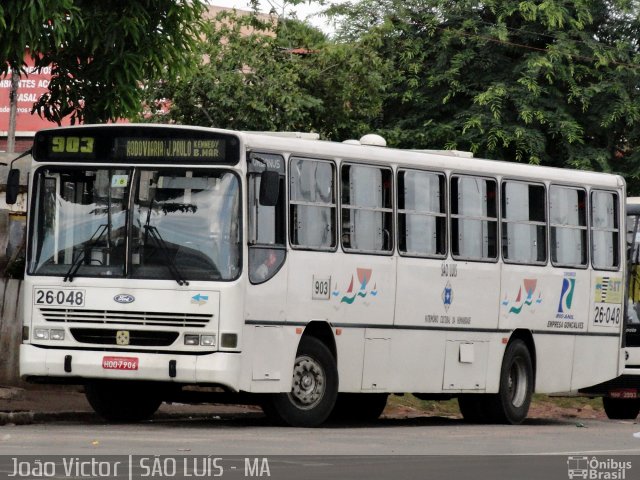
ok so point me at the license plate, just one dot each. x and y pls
(624, 393)
(120, 363)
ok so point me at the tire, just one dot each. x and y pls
(621, 408)
(314, 389)
(511, 404)
(473, 407)
(359, 407)
(121, 401)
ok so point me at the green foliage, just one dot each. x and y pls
(100, 52)
(551, 82)
(268, 75)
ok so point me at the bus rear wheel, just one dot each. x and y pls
(121, 401)
(621, 408)
(511, 404)
(314, 388)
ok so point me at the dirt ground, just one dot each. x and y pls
(58, 399)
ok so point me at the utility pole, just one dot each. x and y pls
(13, 110)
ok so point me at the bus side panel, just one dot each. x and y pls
(596, 360)
(416, 361)
(268, 358)
(361, 288)
(554, 358)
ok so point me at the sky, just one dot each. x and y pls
(303, 11)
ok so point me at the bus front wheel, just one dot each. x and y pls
(314, 388)
(621, 408)
(511, 404)
(120, 401)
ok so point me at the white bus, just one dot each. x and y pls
(621, 395)
(321, 276)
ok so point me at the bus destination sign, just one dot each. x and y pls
(135, 144)
(170, 149)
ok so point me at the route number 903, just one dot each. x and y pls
(72, 145)
(320, 288)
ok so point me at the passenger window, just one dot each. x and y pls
(312, 203)
(366, 209)
(524, 223)
(568, 223)
(605, 245)
(422, 215)
(474, 222)
(267, 231)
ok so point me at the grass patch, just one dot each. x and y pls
(450, 407)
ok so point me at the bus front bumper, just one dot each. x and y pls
(49, 365)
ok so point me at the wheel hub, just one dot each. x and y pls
(308, 383)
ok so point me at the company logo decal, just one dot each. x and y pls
(124, 298)
(608, 290)
(525, 298)
(566, 296)
(447, 296)
(199, 299)
(364, 279)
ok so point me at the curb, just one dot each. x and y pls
(18, 417)
(27, 417)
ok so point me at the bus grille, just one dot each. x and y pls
(139, 338)
(108, 317)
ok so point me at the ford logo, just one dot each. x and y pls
(124, 298)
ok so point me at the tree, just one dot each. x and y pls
(552, 82)
(100, 52)
(264, 74)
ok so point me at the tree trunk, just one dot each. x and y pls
(13, 110)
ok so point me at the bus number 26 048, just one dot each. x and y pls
(72, 298)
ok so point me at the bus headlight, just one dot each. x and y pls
(41, 334)
(56, 335)
(46, 334)
(208, 340)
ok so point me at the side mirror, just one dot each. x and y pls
(13, 186)
(269, 188)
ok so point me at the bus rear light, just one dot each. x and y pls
(229, 340)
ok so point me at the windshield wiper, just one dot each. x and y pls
(153, 232)
(75, 265)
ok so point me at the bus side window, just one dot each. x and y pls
(605, 230)
(421, 213)
(312, 200)
(267, 232)
(568, 222)
(367, 209)
(474, 222)
(524, 223)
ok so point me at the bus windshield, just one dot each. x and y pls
(155, 223)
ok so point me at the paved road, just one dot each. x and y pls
(340, 451)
